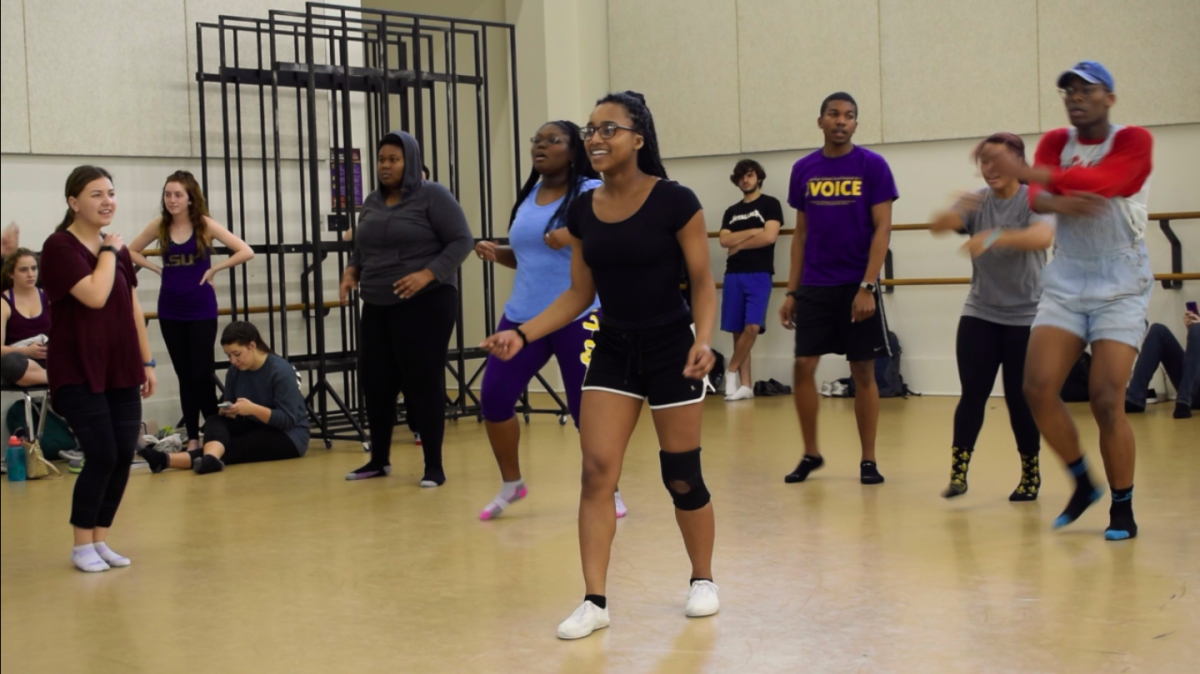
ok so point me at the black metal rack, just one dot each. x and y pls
(305, 59)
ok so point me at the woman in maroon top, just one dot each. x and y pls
(24, 321)
(100, 367)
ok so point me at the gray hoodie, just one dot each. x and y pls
(426, 230)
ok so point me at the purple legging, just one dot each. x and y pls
(504, 381)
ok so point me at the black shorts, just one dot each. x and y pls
(645, 364)
(824, 325)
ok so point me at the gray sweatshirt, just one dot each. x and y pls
(276, 386)
(426, 230)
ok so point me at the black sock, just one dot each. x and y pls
(1183, 411)
(598, 599)
(208, 464)
(807, 465)
(869, 473)
(1085, 494)
(157, 461)
(1134, 408)
(1121, 525)
(693, 581)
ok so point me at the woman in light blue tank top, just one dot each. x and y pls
(187, 300)
(539, 253)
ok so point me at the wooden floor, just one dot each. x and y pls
(288, 568)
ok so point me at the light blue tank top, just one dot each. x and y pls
(542, 272)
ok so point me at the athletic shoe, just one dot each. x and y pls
(499, 504)
(586, 619)
(621, 509)
(70, 454)
(702, 599)
(417, 439)
(75, 466)
(743, 393)
(369, 471)
(732, 383)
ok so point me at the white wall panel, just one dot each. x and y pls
(14, 99)
(794, 53)
(958, 69)
(682, 54)
(107, 78)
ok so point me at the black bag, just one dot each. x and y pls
(716, 376)
(1075, 389)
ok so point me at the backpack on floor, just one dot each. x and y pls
(56, 437)
(1075, 388)
(887, 373)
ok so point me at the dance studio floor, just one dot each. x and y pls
(288, 568)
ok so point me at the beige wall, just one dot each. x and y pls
(725, 76)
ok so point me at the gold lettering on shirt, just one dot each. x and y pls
(837, 187)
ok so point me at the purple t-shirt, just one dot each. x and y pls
(836, 196)
(182, 297)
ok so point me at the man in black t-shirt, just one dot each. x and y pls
(748, 231)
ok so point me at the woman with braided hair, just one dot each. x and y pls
(540, 251)
(629, 239)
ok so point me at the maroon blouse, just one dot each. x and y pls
(97, 348)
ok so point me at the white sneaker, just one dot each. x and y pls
(743, 393)
(732, 383)
(586, 619)
(702, 599)
(621, 509)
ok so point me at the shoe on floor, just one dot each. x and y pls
(621, 509)
(702, 599)
(586, 619)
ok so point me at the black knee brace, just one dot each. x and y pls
(682, 478)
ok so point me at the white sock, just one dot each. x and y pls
(85, 558)
(110, 557)
(731, 383)
(743, 393)
(509, 490)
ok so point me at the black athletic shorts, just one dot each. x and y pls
(645, 364)
(824, 325)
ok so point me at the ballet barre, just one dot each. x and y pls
(957, 281)
(226, 311)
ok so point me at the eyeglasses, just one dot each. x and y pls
(606, 130)
(1085, 90)
(549, 140)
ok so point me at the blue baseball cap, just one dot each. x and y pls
(1091, 71)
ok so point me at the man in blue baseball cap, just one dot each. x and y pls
(1094, 176)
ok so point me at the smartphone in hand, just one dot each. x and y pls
(225, 405)
(1191, 306)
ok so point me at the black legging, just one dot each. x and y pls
(191, 344)
(247, 441)
(982, 347)
(404, 350)
(106, 425)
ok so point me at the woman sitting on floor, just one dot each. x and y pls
(263, 417)
(24, 321)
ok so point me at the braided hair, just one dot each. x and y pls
(579, 168)
(648, 159)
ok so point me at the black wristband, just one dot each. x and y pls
(109, 249)
(524, 339)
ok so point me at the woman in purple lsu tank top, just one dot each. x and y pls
(187, 300)
(24, 321)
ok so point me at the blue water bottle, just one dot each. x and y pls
(14, 456)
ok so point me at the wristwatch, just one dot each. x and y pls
(152, 363)
(869, 287)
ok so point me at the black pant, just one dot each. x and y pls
(190, 344)
(983, 347)
(106, 425)
(1183, 367)
(247, 441)
(404, 350)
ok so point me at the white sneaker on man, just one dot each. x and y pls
(702, 599)
(743, 393)
(586, 619)
(732, 383)
(621, 509)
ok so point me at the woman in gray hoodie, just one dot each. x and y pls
(412, 238)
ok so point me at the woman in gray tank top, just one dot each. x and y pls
(1008, 248)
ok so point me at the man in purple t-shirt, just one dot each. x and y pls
(843, 198)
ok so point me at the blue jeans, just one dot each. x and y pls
(1183, 367)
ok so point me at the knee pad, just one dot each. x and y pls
(682, 478)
